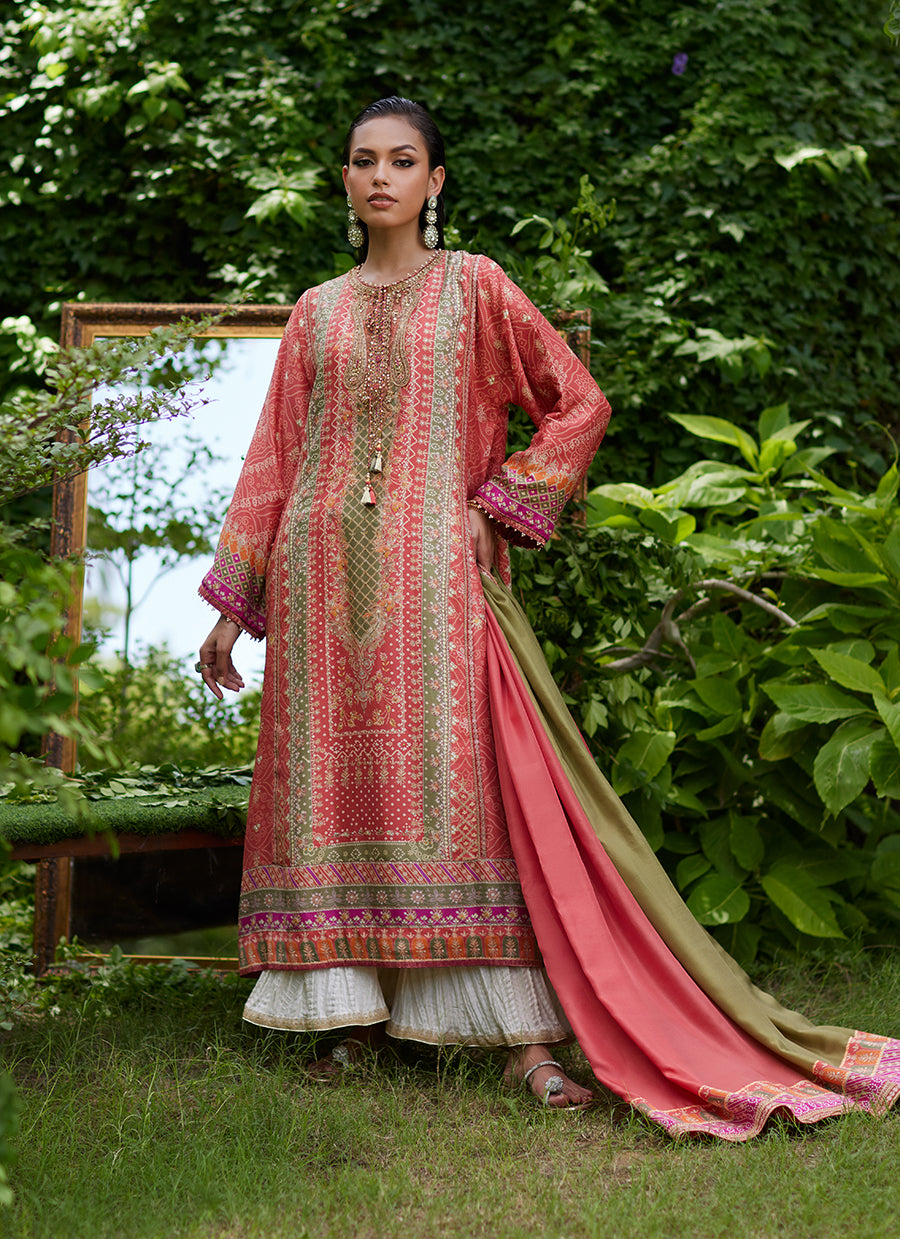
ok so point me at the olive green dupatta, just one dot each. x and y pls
(666, 1018)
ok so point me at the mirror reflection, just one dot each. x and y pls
(154, 522)
(153, 519)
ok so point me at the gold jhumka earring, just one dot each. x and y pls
(355, 234)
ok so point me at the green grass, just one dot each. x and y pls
(150, 1111)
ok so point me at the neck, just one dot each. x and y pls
(394, 253)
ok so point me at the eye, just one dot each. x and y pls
(361, 161)
(404, 163)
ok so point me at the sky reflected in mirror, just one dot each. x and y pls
(171, 613)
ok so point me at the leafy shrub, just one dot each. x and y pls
(749, 146)
(730, 639)
(140, 708)
(37, 665)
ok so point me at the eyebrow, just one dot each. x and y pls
(365, 150)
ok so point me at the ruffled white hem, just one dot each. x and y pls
(472, 1005)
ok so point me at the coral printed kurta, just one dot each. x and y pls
(375, 829)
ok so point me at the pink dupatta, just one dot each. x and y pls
(642, 1015)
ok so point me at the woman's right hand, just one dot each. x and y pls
(215, 655)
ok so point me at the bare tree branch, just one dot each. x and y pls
(746, 596)
(667, 631)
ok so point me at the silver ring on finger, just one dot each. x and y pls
(199, 667)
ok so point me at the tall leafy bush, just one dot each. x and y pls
(172, 151)
(730, 639)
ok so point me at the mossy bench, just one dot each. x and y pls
(144, 812)
(34, 831)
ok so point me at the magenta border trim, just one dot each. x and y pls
(517, 516)
(221, 596)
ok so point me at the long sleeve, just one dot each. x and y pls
(520, 358)
(236, 583)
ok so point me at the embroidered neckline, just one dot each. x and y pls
(378, 368)
(396, 285)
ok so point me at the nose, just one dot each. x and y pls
(380, 174)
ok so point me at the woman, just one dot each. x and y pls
(417, 769)
(379, 882)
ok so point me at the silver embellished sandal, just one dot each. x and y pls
(554, 1085)
(344, 1056)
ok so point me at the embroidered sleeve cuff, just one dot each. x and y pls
(520, 524)
(221, 596)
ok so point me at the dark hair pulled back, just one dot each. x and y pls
(420, 120)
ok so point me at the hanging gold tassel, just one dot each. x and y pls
(377, 465)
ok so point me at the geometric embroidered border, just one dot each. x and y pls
(289, 949)
(867, 1079)
(523, 522)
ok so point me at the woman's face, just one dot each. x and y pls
(388, 178)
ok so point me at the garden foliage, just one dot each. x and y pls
(730, 639)
(171, 151)
(38, 666)
(143, 707)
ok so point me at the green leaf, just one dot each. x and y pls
(774, 452)
(707, 483)
(889, 552)
(747, 844)
(648, 752)
(884, 766)
(839, 548)
(716, 839)
(720, 431)
(852, 580)
(849, 672)
(775, 418)
(741, 940)
(626, 492)
(801, 155)
(531, 219)
(854, 647)
(813, 703)
(724, 727)
(786, 433)
(890, 716)
(716, 550)
(717, 900)
(807, 457)
(886, 490)
(684, 798)
(596, 715)
(689, 869)
(789, 792)
(727, 636)
(600, 509)
(841, 769)
(267, 206)
(885, 872)
(671, 527)
(805, 905)
(782, 736)
(827, 866)
(890, 670)
(719, 694)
